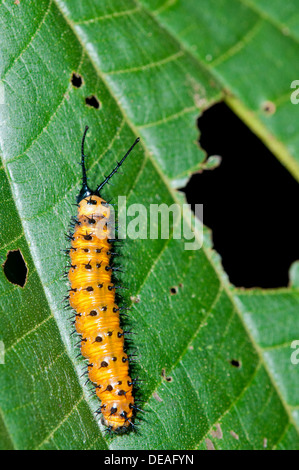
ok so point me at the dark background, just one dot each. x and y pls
(250, 202)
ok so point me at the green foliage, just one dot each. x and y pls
(153, 68)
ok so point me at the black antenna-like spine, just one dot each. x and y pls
(116, 168)
(84, 176)
(85, 190)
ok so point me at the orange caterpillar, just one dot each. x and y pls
(92, 295)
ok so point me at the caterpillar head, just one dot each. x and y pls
(86, 193)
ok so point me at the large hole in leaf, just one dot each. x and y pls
(250, 202)
(15, 268)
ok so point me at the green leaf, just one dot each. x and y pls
(251, 48)
(271, 318)
(225, 387)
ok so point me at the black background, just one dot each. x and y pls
(250, 202)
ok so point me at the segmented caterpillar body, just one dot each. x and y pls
(92, 295)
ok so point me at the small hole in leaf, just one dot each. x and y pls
(15, 268)
(173, 290)
(168, 378)
(268, 107)
(77, 80)
(235, 363)
(92, 101)
(135, 299)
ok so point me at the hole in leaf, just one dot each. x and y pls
(136, 299)
(250, 202)
(92, 101)
(15, 268)
(173, 290)
(77, 80)
(268, 107)
(169, 378)
(235, 363)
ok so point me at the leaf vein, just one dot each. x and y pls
(166, 60)
(30, 40)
